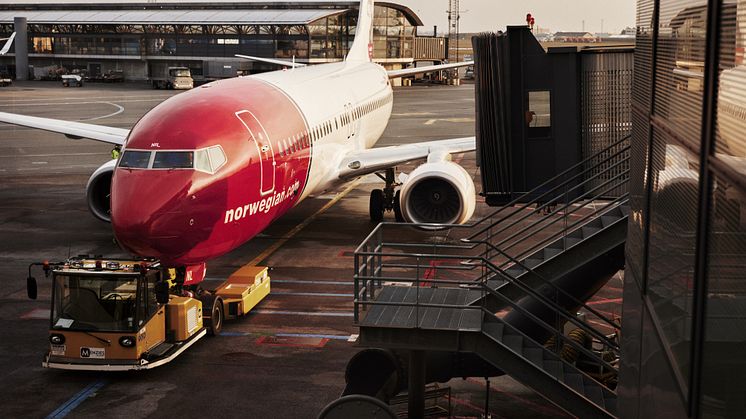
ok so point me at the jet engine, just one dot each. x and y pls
(438, 192)
(98, 191)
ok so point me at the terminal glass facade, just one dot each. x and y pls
(684, 327)
(328, 38)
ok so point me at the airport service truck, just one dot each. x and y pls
(117, 315)
(179, 78)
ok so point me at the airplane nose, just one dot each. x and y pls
(151, 211)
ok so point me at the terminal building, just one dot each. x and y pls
(143, 38)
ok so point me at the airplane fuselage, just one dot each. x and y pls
(257, 146)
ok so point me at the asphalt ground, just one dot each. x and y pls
(287, 358)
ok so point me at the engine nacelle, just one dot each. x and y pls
(98, 191)
(439, 192)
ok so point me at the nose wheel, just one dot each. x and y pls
(386, 199)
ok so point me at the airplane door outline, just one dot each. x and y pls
(264, 147)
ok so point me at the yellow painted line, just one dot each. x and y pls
(271, 249)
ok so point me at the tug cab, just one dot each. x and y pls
(115, 315)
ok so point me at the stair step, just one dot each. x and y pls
(610, 403)
(589, 231)
(493, 330)
(515, 271)
(554, 368)
(572, 241)
(608, 220)
(514, 342)
(535, 356)
(593, 392)
(551, 252)
(160, 350)
(575, 381)
(532, 263)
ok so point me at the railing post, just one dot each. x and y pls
(379, 262)
(356, 288)
(417, 296)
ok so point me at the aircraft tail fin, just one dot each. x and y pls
(362, 47)
(8, 44)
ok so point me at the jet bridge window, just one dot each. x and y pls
(539, 113)
(135, 159)
(173, 160)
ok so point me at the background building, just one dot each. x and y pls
(142, 39)
(684, 321)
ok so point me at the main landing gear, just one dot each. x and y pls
(386, 199)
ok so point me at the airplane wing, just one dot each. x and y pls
(364, 162)
(8, 44)
(74, 130)
(285, 63)
(419, 70)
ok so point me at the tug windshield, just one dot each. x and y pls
(97, 303)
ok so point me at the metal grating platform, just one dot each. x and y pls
(435, 318)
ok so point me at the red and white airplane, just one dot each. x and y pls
(207, 170)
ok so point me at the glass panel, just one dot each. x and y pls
(217, 157)
(202, 161)
(539, 109)
(135, 159)
(173, 160)
(725, 321)
(89, 302)
(680, 67)
(673, 218)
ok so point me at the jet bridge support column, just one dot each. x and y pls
(21, 48)
(416, 407)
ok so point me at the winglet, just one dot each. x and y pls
(8, 44)
(362, 47)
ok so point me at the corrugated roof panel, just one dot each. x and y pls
(190, 17)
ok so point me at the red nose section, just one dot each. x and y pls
(151, 212)
(188, 216)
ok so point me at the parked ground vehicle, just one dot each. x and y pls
(115, 315)
(113, 76)
(5, 80)
(173, 78)
(72, 80)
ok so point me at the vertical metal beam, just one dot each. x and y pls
(709, 126)
(416, 407)
(649, 156)
(21, 48)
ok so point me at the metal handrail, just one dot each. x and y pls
(544, 300)
(538, 188)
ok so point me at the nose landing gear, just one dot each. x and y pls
(386, 199)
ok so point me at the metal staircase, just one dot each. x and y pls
(508, 287)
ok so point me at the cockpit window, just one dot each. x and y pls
(217, 157)
(208, 160)
(135, 159)
(173, 160)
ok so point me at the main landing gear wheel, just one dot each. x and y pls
(386, 199)
(213, 319)
(376, 205)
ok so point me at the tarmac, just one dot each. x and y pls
(284, 360)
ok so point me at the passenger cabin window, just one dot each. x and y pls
(173, 160)
(135, 159)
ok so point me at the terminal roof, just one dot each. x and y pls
(173, 17)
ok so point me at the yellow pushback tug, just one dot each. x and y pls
(117, 315)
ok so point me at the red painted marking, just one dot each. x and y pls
(292, 342)
(37, 314)
(476, 409)
(345, 254)
(605, 301)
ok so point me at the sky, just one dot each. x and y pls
(559, 15)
